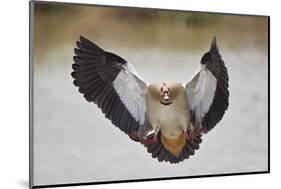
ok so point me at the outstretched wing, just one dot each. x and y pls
(207, 92)
(112, 83)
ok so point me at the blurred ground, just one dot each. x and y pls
(74, 142)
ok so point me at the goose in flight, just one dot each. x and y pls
(168, 118)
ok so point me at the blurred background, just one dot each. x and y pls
(74, 142)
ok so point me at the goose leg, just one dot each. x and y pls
(187, 135)
(195, 132)
(151, 137)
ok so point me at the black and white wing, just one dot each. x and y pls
(112, 83)
(207, 92)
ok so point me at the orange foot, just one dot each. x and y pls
(191, 135)
(151, 139)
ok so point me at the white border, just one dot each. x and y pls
(14, 92)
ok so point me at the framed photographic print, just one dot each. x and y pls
(122, 94)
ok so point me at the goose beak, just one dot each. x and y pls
(166, 97)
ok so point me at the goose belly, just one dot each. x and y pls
(169, 121)
(170, 118)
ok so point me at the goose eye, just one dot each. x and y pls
(161, 89)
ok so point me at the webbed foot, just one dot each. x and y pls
(191, 135)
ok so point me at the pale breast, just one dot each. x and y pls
(168, 117)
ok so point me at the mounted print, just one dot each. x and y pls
(122, 94)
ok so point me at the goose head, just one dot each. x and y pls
(165, 94)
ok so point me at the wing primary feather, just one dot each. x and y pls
(207, 92)
(94, 72)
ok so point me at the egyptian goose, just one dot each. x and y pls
(168, 118)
